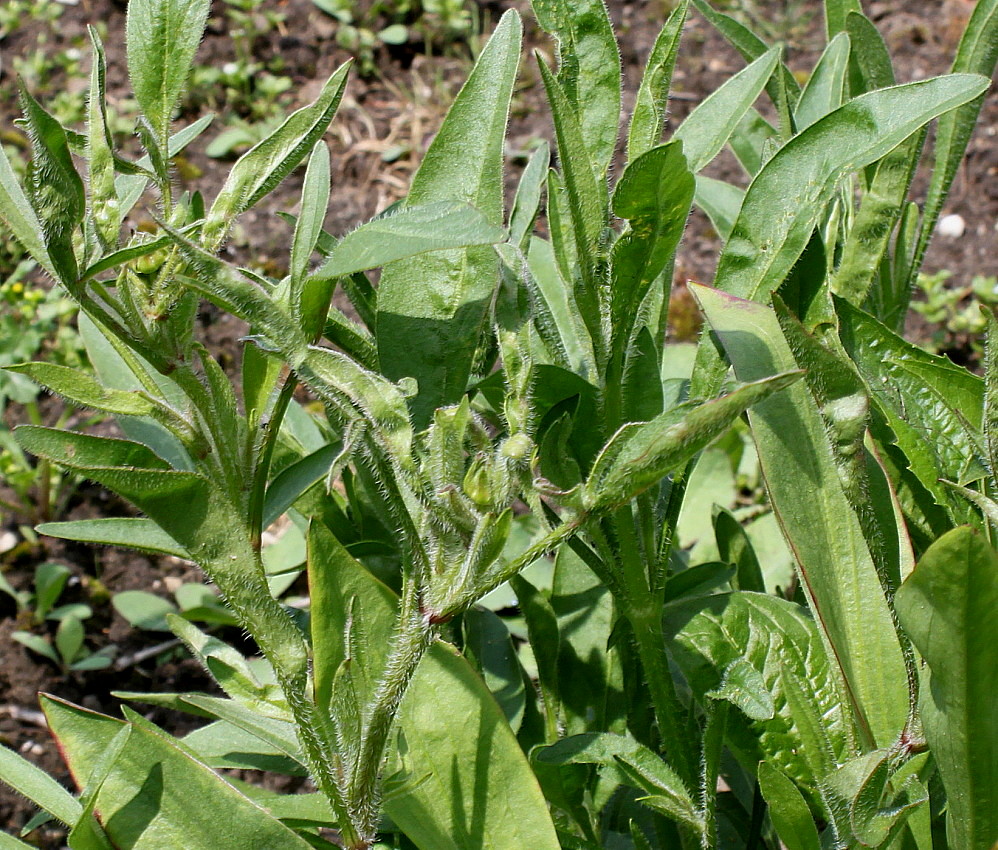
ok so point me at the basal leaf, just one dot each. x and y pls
(787, 809)
(947, 608)
(826, 86)
(775, 637)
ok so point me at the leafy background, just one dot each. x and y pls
(377, 139)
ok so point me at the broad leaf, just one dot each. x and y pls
(431, 308)
(947, 607)
(411, 231)
(157, 794)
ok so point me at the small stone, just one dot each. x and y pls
(951, 226)
(8, 540)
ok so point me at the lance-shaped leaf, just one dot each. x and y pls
(708, 127)
(648, 117)
(639, 455)
(869, 52)
(162, 37)
(258, 171)
(409, 232)
(156, 793)
(588, 71)
(81, 388)
(786, 199)
(55, 189)
(29, 780)
(977, 53)
(130, 532)
(314, 200)
(826, 86)
(837, 570)
(947, 607)
(654, 195)
(18, 214)
(787, 809)
(104, 210)
(431, 308)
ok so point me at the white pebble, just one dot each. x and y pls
(951, 226)
(8, 540)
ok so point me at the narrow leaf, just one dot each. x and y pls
(314, 200)
(788, 810)
(837, 570)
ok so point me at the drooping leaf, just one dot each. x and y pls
(787, 197)
(947, 609)
(413, 230)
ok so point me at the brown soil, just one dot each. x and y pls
(382, 129)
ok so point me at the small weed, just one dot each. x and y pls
(956, 312)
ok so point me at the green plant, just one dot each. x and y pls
(959, 313)
(363, 26)
(67, 650)
(506, 395)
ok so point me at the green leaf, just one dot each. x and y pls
(18, 214)
(454, 736)
(489, 646)
(144, 610)
(947, 608)
(80, 388)
(104, 211)
(457, 739)
(836, 13)
(825, 87)
(787, 809)
(161, 38)
(39, 787)
(743, 686)
(314, 200)
(821, 528)
(735, 547)
(38, 644)
(130, 532)
(526, 204)
(648, 116)
(69, 639)
(750, 47)
(869, 52)
(721, 202)
(654, 194)
(786, 199)
(258, 171)
(641, 454)
(156, 793)
(588, 71)
(431, 308)
(920, 395)
(55, 189)
(708, 127)
(976, 53)
(411, 231)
